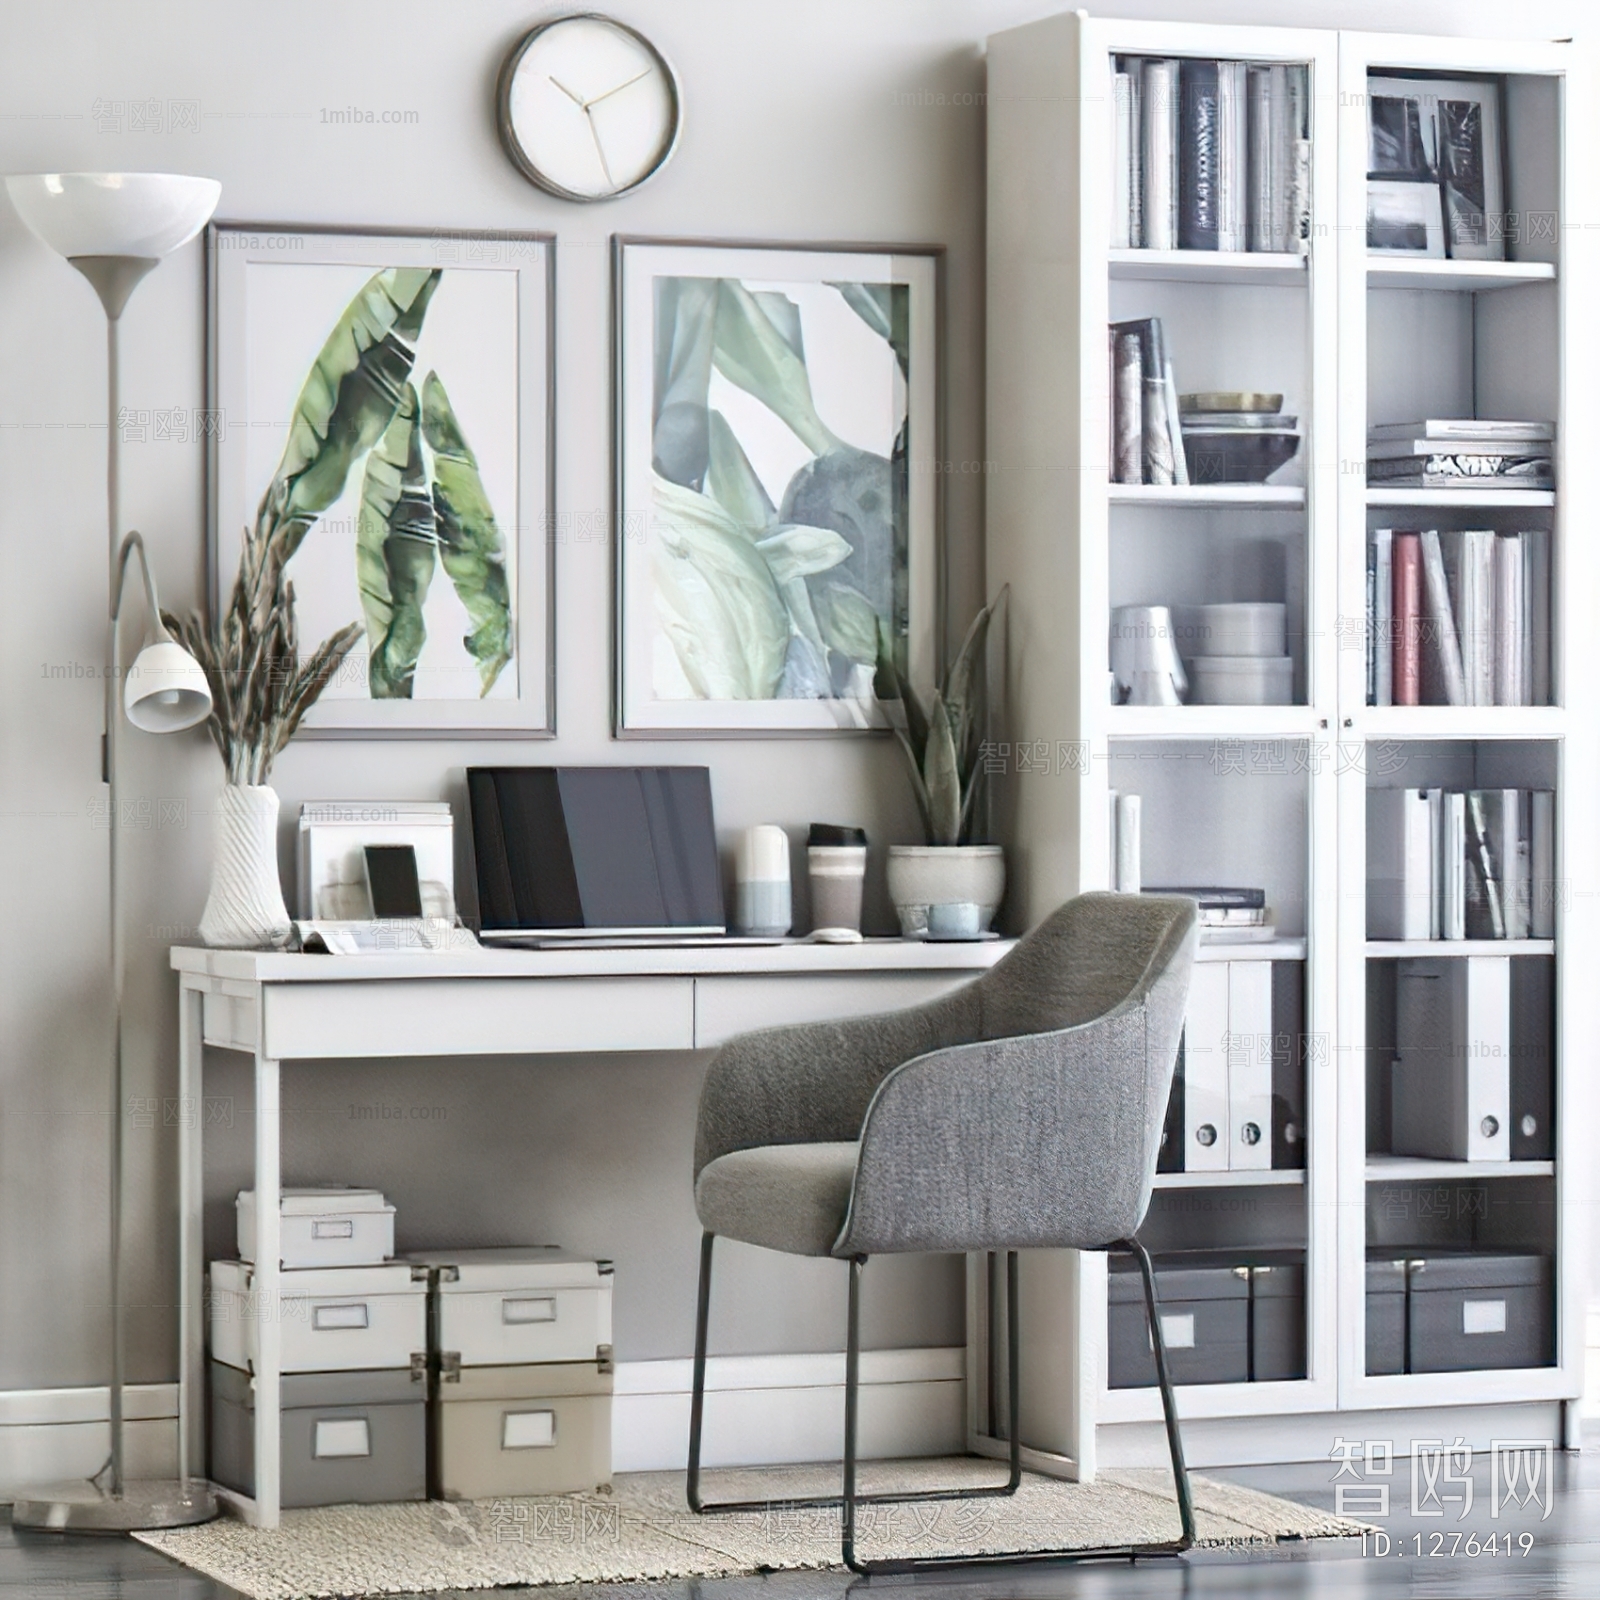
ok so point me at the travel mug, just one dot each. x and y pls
(836, 861)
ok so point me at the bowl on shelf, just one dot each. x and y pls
(1220, 400)
(1242, 680)
(1237, 455)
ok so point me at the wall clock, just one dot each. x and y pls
(587, 107)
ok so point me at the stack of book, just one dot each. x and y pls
(1458, 617)
(1449, 864)
(1228, 914)
(1210, 155)
(1461, 452)
(1146, 434)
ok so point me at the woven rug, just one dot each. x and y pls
(645, 1530)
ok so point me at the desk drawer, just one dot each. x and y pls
(478, 1016)
(726, 1006)
(229, 1021)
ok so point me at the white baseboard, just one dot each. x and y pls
(758, 1409)
(51, 1435)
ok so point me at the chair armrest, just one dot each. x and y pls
(812, 1082)
(1045, 1140)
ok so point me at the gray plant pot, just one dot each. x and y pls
(946, 891)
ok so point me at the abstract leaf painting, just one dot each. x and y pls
(776, 446)
(382, 404)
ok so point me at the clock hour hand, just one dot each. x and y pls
(568, 93)
(619, 88)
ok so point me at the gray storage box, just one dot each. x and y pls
(501, 1431)
(1481, 1310)
(1277, 1315)
(345, 1437)
(1205, 1321)
(1386, 1316)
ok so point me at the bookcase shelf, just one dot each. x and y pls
(1405, 949)
(1468, 499)
(1400, 272)
(1207, 266)
(1349, 340)
(1208, 496)
(1396, 1169)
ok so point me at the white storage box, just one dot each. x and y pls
(518, 1306)
(330, 1319)
(328, 1227)
(1242, 680)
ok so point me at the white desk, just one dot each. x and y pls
(278, 1007)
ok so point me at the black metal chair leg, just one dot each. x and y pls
(1131, 1552)
(849, 1498)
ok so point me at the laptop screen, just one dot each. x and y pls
(595, 849)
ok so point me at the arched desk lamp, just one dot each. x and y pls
(115, 227)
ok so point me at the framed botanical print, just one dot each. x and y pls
(380, 405)
(776, 448)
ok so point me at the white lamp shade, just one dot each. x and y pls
(145, 214)
(165, 691)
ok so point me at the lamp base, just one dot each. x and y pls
(83, 1507)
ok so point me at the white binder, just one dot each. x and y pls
(1205, 1069)
(1249, 1065)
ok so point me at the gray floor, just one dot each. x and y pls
(1562, 1560)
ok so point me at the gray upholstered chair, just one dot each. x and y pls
(1022, 1111)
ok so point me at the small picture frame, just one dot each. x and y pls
(1444, 133)
(383, 399)
(1405, 217)
(776, 448)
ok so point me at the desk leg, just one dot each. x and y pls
(191, 1236)
(269, 1325)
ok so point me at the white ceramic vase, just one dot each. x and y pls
(245, 909)
(946, 891)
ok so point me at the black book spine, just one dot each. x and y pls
(1199, 194)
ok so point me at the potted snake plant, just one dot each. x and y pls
(950, 886)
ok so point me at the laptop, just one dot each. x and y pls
(623, 855)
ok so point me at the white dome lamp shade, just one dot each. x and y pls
(113, 226)
(165, 690)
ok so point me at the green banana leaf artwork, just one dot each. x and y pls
(779, 519)
(367, 423)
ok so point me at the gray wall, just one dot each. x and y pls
(832, 119)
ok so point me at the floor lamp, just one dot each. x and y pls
(114, 228)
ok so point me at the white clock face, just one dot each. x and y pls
(588, 109)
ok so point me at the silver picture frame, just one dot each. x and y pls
(495, 349)
(777, 434)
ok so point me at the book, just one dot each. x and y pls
(1383, 617)
(1510, 653)
(1401, 449)
(1233, 916)
(1157, 464)
(1298, 140)
(1371, 635)
(1446, 648)
(1200, 203)
(1135, 71)
(1233, 156)
(1217, 896)
(1406, 668)
(1122, 163)
(1127, 410)
(1264, 234)
(1159, 154)
(1536, 615)
(1450, 471)
(1468, 557)
(1544, 890)
(1506, 812)
(1452, 428)
(1400, 864)
(1484, 911)
(1452, 864)
(1180, 459)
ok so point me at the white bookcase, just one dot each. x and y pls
(1276, 795)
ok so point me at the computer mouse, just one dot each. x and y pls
(833, 936)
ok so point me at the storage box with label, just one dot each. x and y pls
(1277, 1315)
(1480, 1310)
(520, 1430)
(330, 1319)
(345, 1437)
(1205, 1321)
(324, 1227)
(518, 1304)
